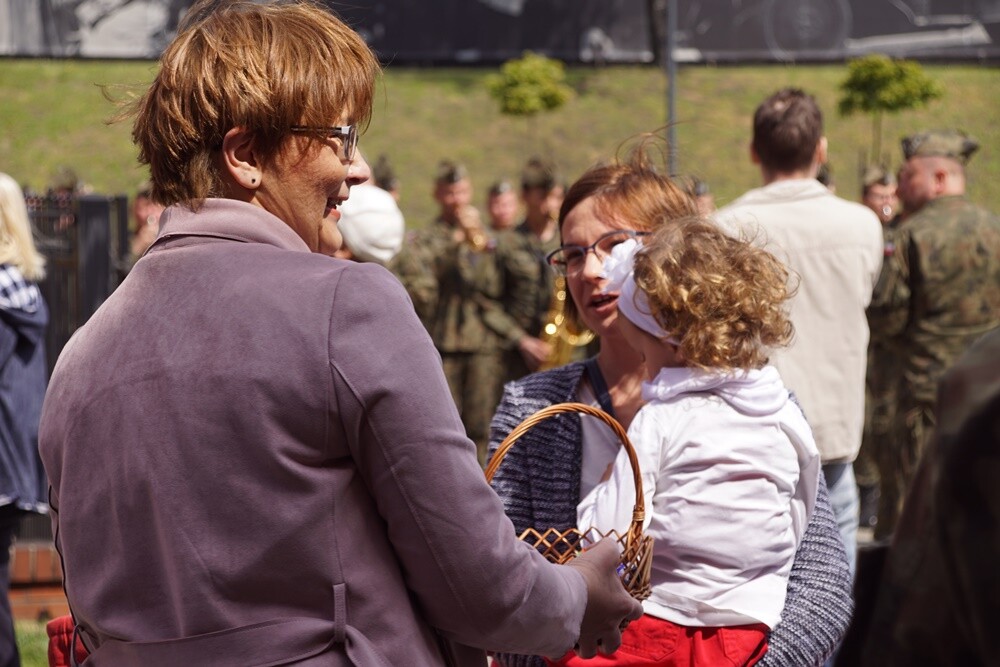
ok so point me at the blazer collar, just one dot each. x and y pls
(229, 219)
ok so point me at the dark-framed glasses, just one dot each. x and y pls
(348, 135)
(570, 259)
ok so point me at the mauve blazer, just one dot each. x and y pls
(254, 459)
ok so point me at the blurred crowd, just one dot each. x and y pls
(892, 291)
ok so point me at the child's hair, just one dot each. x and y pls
(720, 296)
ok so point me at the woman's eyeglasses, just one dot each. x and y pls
(569, 260)
(348, 135)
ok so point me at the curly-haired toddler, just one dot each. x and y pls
(729, 466)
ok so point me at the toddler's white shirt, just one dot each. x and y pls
(730, 474)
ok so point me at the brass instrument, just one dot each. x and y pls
(560, 331)
(477, 241)
(472, 229)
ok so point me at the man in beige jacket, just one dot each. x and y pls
(833, 248)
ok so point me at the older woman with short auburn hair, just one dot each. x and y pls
(279, 475)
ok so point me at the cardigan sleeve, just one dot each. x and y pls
(512, 480)
(512, 484)
(530, 500)
(819, 603)
(539, 479)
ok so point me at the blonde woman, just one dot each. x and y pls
(23, 318)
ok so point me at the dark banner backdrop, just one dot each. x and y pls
(577, 31)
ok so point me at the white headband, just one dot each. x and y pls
(619, 269)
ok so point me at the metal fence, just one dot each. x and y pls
(85, 240)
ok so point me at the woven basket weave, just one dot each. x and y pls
(562, 546)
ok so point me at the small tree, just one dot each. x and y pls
(877, 84)
(530, 85)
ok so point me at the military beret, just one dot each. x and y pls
(500, 187)
(877, 175)
(539, 173)
(449, 173)
(943, 143)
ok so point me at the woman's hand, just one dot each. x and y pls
(609, 606)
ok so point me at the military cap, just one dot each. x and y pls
(449, 173)
(500, 187)
(877, 175)
(539, 173)
(65, 178)
(943, 143)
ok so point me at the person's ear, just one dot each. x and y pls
(239, 158)
(754, 158)
(819, 157)
(941, 176)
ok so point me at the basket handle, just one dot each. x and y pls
(639, 510)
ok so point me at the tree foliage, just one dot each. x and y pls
(877, 84)
(529, 85)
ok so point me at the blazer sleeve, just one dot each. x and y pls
(460, 558)
(819, 602)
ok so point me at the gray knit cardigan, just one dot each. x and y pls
(539, 483)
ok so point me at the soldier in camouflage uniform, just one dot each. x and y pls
(524, 279)
(446, 269)
(939, 596)
(879, 194)
(939, 290)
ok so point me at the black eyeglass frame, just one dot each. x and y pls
(348, 135)
(561, 268)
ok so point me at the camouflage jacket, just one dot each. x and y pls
(939, 595)
(939, 290)
(446, 281)
(881, 379)
(523, 284)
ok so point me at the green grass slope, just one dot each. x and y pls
(53, 113)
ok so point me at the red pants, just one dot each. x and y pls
(654, 642)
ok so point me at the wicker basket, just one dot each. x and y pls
(561, 547)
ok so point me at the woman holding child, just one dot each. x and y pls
(563, 460)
